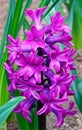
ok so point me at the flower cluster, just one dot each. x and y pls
(40, 69)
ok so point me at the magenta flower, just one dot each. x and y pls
(51, 101)
(14, 48)
(63, 83)
(29, 88)
(25, 107)
(40, 70)
(35, 15)
(12, 76)
(63, 113)
(57, 23)
(30, 65)
(35, 38)
(63, 38)
(70, 62)
(57, 57)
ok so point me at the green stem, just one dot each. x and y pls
(41, 118)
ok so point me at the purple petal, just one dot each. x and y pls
(37, 76)
(11, 39)
(7, 67)
(35, 95)
(56, 107)
(59, 117)
(54, 63)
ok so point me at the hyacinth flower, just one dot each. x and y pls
(35, 15)
(43, 68)
(35, 38)
(63, 113)
(63, 38)
(56, 24)
(13, 48)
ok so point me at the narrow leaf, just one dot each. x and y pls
(79, 5)
(6, 109)
(3, 82)
(80, 86)
(34, 125)
(71, 16)
(15, 20)
(50, 8)
(6, 29)
(22, 17)
(44, 3)
(23, 123)
(77, 96)
(77, 29)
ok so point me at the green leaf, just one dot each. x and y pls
(58, 5)
(35, 119)
(80, 86)
(44, 3)
(77, 29)
(50, 8)
(6, 109)
(71, 15)
(14, 8)
(22, 17)
(16, 17)
(6, 29)
(23, 123)
(4, 94)
(79, 6)
(34, 125)
(53, 10)
(77, 96)
(75, 21)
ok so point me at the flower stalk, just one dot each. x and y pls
(41, 118)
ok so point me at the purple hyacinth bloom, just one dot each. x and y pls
(57, 57)
(57, 25)
(63, 82)
(57, 22)
(35, 38)
(63, 113)
(40, 69)
(30, 65)
(35, 15)
(70, 62)
(12, 76)
(29, 88)
(63, 38)
(14, 48)
(51, 101)
(25, 107)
